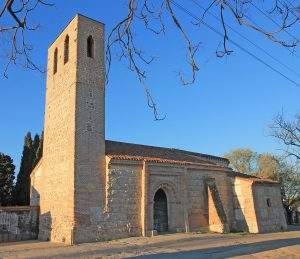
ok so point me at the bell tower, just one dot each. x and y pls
(74, 137)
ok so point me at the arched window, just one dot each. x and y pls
(90, 47)
(66, 49)
(55, 61)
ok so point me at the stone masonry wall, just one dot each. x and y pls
(122, 209)
(216, 213)
(56, 190)
(73, 168)
(169, 178)
(243, 206)
(18, 223)
(121, 215)
(191, 205)
(268, 207)
(198, 201)
(89, 170)
(198, 209)
(257, 206)
(36, 184)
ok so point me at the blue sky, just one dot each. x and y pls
(230, 105)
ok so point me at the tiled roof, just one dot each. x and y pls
(253, 178)
(162, 160)
(129, 150)
(257, 180)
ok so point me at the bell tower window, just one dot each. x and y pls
(55, 61)
(90, 47)
(66, 49)
(269, 202)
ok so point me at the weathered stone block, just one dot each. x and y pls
(18, 223)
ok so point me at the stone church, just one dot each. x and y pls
(89, 188)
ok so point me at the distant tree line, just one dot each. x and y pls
(18, 193)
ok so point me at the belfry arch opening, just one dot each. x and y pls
(160, 211)
(66, 49)
(55, 60)
(90, 47)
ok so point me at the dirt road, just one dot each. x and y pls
(272, 245)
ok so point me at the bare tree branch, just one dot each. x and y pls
(157, 16)
(288, 133)
(20, 50)
(149, 13)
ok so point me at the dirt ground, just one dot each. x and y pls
(191, 245)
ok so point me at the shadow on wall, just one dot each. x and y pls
(18, 223)
(34, 197)
(45, 219)
(45, 227)
(216, 214)
(240, 222)
(229, 251)
(267, 209)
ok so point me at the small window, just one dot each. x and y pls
(269, 202)
(90, 47)
(66, 49)
(55, 61)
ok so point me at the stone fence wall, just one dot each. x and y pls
(18, 223)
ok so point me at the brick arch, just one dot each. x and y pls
(173, 203)
(169, 189)
(160, 211)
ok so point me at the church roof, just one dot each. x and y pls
(124, 150)
(136, 152)
(129, 151)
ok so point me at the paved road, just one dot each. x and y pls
(272, 245)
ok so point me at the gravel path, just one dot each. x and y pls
(272, 245)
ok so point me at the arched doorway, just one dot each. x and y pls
(160, 211)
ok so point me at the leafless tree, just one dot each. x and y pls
(288, 133)
(155, 16)
(154, 13)
(19, 49)
(290, 179)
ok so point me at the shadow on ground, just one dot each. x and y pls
(231, 250)
(173, 246)
(295, 227)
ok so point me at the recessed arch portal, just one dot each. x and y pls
(160, 211)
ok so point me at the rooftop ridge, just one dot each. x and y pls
(180, 151)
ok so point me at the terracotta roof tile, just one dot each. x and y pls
(162, 160)
(114, 148)
(129, 151)
(253, 178)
